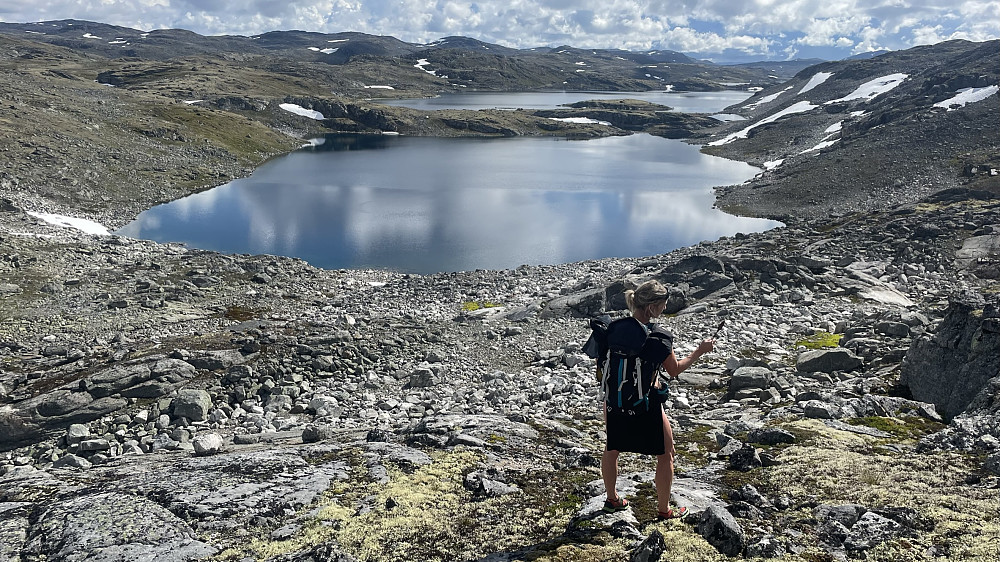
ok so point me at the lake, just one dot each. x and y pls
(427, 205)
(686, 102)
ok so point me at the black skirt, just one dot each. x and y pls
(636, 431)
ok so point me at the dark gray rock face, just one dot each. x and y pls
(952, 366)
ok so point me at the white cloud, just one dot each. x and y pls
(756, 27)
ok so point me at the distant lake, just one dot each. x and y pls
(685, 102)
(425, 205)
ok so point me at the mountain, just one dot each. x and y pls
(870, 133)
(467, 62)
(780, 69)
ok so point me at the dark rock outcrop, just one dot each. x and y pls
(952, 366)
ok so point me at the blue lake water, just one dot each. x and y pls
(425, 205)
(686, 102)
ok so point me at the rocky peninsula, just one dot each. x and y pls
(159, 402)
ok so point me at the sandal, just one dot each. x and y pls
(617, 504)
(673, 513)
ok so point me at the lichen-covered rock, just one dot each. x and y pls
(112, 527)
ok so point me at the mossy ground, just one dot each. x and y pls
(841, 467)
(427, 514)
(820, 340)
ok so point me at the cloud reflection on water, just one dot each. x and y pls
(425, 205)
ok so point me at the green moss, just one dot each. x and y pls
(694, 445)
(470, 306)
(820, 340)
(907, 427)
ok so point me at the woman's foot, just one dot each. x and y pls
(673, 513)
(617, 504)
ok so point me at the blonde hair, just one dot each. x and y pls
(650, 292)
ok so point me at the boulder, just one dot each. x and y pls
(952, 366)
(192, 404)
(721, 530)
(827, 361)
(208, 444)
(870, 531)
(217, 360)
(650, 549)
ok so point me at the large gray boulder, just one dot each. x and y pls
(192, 404)
(828, 361)
(952, 366)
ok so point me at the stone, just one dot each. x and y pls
(314, 433)
(206, 444)
(818, 409)
(720, 529)
(93, 524)
(91, 445)
(76, 433)
(827, 361)
(217, 360)
(192, 404)
(870, 531)
(847, 514)
(650, 549)
(422, 377)
(745, 459)
(72, 461)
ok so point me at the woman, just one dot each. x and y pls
(626, 431)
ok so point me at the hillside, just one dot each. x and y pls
(159, 402)
(858, 136)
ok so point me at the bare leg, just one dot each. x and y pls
(664, 478)
(609, 472)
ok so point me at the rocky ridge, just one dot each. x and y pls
(168, 403)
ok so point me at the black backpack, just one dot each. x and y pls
(629, 357)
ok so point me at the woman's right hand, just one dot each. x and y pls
(706, 346)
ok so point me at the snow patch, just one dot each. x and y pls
(299, 110)
(765, 99)
(380, 88)
(89, 36)
(816, 80)
(192, 102)
(799, 107)
(874, 88)
(583, 120)
(83, 225)
(835, 127)
(772, 164)
(967, 95)
(821, 145)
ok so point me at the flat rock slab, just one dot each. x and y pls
(111, 527)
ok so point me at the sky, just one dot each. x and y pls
(717, 30)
